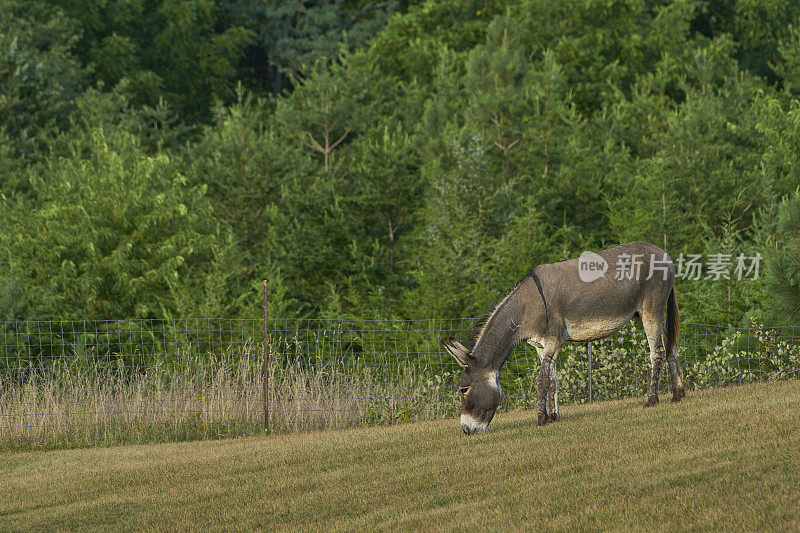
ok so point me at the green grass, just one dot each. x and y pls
(724, 459)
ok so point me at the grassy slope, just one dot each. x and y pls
(723, 459)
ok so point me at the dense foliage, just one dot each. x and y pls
(390, 159)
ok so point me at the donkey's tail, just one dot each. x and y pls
(673, 322)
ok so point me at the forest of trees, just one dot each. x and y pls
(398, 159)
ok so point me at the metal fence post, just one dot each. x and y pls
(265, 368)
(589, 352)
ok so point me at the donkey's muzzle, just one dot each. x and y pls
(470, 426)
(471, 430)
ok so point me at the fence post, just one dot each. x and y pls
(589, 352)
(265, 368)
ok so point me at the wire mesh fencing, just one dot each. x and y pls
(72, 383)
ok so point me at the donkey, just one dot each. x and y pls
(578, 299)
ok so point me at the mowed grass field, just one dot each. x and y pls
(724, 459)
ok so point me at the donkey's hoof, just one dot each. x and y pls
(678, 394)
(651, 401)
(554, 417)
(542, 419)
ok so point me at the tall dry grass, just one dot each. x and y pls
(205, 397)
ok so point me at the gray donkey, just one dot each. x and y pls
(580, 299)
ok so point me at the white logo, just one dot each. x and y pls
(591, 266)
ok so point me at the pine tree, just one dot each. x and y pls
(783, 266)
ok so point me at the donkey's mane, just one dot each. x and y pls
(480, 325)
(477, 327)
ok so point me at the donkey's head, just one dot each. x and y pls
(479, 388)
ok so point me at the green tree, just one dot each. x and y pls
(327, 108)
(242, 162)
(114, 235)
(387, 193)
(779, 124)
(756, 27)
(39, 76)
(701, 160)
(291, 35)
(249, 170)
(410, 47)
(783, 266)
(180, 50)
(495, 84)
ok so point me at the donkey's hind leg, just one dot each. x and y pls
(552, 394)
(655, 338)
(678, 391)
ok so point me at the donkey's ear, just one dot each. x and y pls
(458, 345)
(459, 353)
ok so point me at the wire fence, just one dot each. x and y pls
(72, 383)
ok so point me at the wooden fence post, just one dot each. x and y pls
(265, 369)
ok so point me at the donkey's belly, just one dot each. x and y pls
(594, 328)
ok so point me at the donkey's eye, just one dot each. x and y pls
(463, 390)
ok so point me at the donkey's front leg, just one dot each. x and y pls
(544, 387)
(548, 382)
